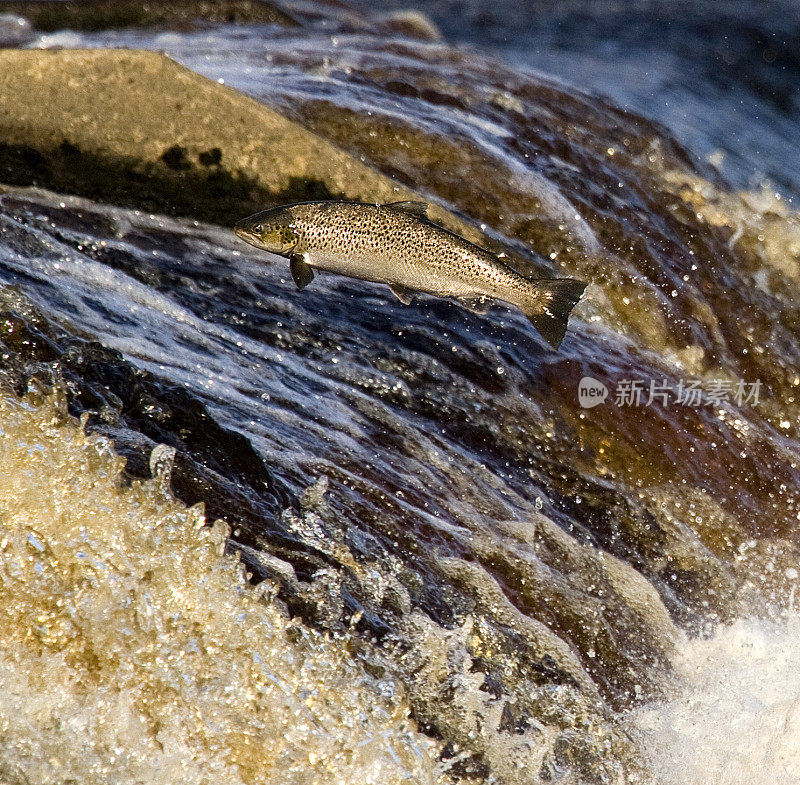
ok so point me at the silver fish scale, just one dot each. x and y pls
(388, 245)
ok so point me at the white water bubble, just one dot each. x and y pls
(736, 716)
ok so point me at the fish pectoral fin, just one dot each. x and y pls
(302, 272)
(479, 304)
(402, 293)
(417, 209)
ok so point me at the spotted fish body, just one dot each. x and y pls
(396, 244)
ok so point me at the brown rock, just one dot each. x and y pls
(49, 15)
(135, 128)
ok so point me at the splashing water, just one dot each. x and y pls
(736, 718)
(529, 564)
(134, 651)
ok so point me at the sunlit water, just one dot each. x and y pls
(558, 591)
(134, 651)
(735, 717)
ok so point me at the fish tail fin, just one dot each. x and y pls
(550, 304)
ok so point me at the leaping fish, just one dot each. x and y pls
(396, 244)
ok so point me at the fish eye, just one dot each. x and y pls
(258, 229)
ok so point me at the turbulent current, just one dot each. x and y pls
(250, 534)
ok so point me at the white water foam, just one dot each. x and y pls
(736, 720)
(134, 651)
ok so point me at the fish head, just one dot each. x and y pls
(273, 230)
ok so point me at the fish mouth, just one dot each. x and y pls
(243, 228)
(244, 232)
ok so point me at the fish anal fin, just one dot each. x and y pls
(478, 304)
(417, 209)
(302, 272)
(402, 293)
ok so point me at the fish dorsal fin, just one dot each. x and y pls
(302, 271)
(417, 209)
(402, 293)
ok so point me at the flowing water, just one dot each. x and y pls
(464, 571)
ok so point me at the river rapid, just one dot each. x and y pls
(447, 553)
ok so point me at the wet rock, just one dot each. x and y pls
(164, 139)
(139, 411)
(412, 24)
(214, 465)
(50, 15)
(477, 647)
